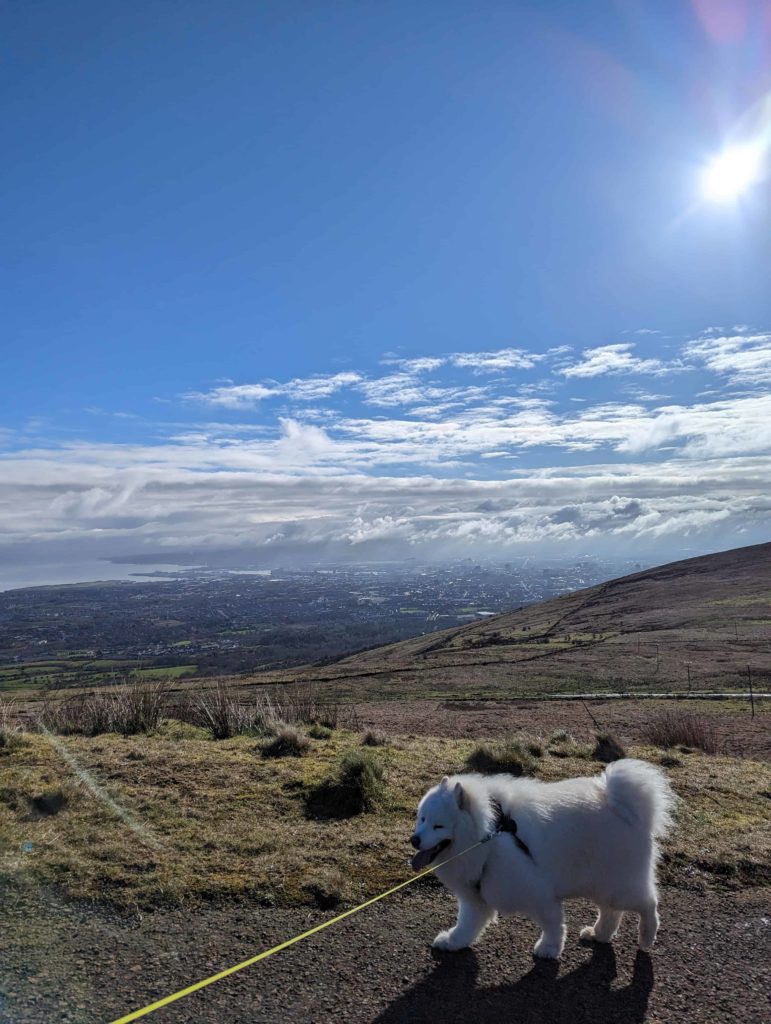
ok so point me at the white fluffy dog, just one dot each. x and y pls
(591, 837)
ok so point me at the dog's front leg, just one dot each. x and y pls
(552, 940)
(473, 917)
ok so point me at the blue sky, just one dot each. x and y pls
(337, 279)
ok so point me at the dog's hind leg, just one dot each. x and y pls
(473, 917)
(552, 940)
(649, 924)
(605, 927)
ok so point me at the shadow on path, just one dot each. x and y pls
(584, 996)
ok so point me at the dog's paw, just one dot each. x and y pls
(587, 934)
(447, 941)
(546, 950)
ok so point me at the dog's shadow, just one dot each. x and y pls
(583, 996)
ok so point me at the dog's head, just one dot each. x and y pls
(437, 821)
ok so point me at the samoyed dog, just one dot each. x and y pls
(590, 837)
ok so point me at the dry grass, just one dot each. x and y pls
(131, 709)
(683, 729)
(288, 742)
(517, 756)
(148, 819)
(223, 713)
(10, 727)
(356, 787)
(607, 748)
(224, 710)
(374, 738)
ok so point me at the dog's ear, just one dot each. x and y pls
(445, 782)
(460, 796)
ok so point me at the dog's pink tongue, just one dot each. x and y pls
(421, 859)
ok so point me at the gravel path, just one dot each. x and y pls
(76, 964)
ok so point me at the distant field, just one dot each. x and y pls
(64, 673)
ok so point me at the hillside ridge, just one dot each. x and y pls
(700, 623)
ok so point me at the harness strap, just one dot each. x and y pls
(505, 823)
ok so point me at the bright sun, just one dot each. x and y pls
(731, 173)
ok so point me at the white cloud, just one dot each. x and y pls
(612, 359)
(305, 389)
(744, 358)
(501, 359)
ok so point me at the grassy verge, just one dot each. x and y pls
(142, 820)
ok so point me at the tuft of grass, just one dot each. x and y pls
(174, 729)
(129, 710)
(326, 887)
(288, 742)
(607, 748)
(320, 732)
(358, 787)
(508, 756)
(683, 729)
(48, 803)
(565, 746)
(10, 729)
(306, 704)
(224, 714)
(668, 761)
(374, 738)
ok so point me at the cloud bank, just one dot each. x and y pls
(484, 453)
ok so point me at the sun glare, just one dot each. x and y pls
(731, 173)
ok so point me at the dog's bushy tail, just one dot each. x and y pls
(640, 793)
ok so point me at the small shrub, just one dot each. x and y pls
(683, 729)
(288, 742)
(357, 787)
(509, 756)
(607, 748)
(319, 732)
(374, 738)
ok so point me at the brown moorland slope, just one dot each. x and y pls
(697, 624)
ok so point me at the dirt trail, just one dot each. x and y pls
(710, 964)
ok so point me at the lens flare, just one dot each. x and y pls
(731, 173)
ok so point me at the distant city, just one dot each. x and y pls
(203, 621)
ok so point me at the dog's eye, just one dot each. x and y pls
(438, 826)
(422, 821)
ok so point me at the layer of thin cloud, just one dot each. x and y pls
(502, 359)
(428, 460)
(745, 359)
(612, 359)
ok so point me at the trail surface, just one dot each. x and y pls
(76, 964)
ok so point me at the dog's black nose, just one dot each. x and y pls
(415, 840)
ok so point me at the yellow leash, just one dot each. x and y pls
(136, 1014)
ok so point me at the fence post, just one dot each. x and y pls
(688, 668)
(752, 695)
